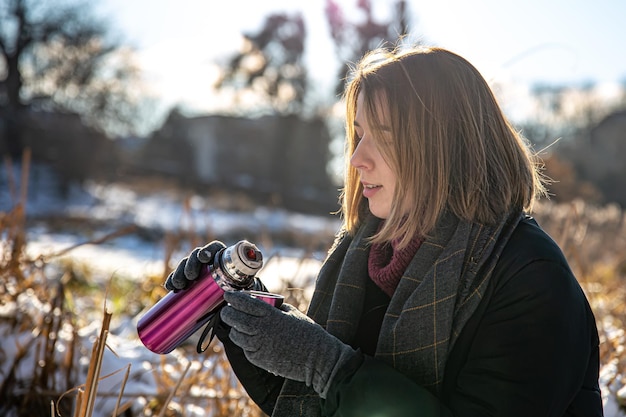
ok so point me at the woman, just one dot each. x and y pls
(440, 296)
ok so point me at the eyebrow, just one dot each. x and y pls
(384, 128)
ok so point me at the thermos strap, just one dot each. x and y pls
(209, 329)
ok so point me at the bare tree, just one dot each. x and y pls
(353, 39)
(270, 65)
(54, 55)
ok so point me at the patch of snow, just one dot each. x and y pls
(134, 258)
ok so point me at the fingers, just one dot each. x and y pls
(193, 265)
(247, 304)
(189, 268)
(288, 308)
(249, 343)
(168, 282)
(176, 280)
(239, 321)
(207, 252)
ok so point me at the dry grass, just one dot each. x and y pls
(594, 239)
(47, 302)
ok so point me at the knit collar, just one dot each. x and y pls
(386, 263)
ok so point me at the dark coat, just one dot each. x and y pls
(530, 349)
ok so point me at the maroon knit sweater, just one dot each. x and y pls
(386, 263)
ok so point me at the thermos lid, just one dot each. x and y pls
(242, 260)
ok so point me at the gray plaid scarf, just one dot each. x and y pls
(435, 297)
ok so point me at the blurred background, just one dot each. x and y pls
(244, 94)
(133, 131)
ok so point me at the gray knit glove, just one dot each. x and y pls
(188, 268)
(286, 342)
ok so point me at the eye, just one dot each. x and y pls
(358, 134)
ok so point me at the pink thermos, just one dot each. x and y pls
(180, 313)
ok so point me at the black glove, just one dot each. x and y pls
(262, 386)
(286, 342)
(188, 268)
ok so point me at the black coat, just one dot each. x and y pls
(530, 349)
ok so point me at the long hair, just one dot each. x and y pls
(452, 150)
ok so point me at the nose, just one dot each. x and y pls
(360, 157)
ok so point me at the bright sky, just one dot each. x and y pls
(516, 42)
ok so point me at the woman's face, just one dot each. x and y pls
(376, 176)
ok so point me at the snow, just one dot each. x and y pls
(134, 257)
(112, 206)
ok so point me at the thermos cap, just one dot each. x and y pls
(242, 260)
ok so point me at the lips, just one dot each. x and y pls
(370, 189)
(369, 185)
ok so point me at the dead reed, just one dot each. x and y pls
(594, 241)
(49, 368)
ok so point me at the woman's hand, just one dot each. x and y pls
(189, 268)
(286, 342)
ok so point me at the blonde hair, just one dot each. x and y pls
(453, 149)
